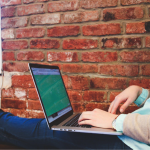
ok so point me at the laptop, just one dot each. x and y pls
(56, 104)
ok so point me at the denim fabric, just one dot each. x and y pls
(34, 133)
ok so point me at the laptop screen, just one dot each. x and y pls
(52, 92)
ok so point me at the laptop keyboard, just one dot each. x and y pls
(73, 122)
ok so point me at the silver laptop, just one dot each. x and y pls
(55, 101)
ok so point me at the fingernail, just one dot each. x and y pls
(121, 110)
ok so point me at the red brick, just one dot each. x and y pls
(55, 64)
(87, 4)
(73, 17)
(102, 29)
(135, 56)
(42, 0)
(145, 70)
(79, 82)
(113, 95)
(8, 93)
(66, 81)
(108, 83)
(35, 114)
(62, 56)
(92, 106)
(130, 109)
(98, 96)
(143, 82)
(14, 22)
(15, 45)
(34, 105)
(147, 41)
(19, 113)
(8, 34)
(20, 93)
(31, 9)
(8, 56)
(119, 43)
(19, 104)
(135, 27)
(119, 70)
(45, 43)
(30, 55)
(132, 2)
(89, 68)
(10, 2)
(63, 31)
(15, 66)
(22, 81)
(78, 107)
(5, 109)
(72, 68)
(8, 12)
(30, 32)
(46, 19)
(99, 56)
(32, 94)
(28, 1)
(149, 12)
(123, 13)
(80, 44)
(63, 6)
(75, 96)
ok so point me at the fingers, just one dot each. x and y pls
(110, 107)
(125, 105)
(85, 116)
(87, 122)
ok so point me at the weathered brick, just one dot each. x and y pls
(8, 93)
(79, 82)
(46, 19)
(15, 45)
(42, 0)
(132, 2)
(10, 2)
(19, 113)
(87, 4)
(63, 6)
(30, 32)
(91, 106)
(32, 94)
(145, 70)
(74, 95)
(30, 55)
(119, 43)
(45, 43)
(99, 56)
(130, 109)
(72, 68)
(34, 105)
(63, 31)
(35, 114)
(8, 56)
(15, 66)
(113, 95)
(14, 22)
(28, 1)
(102, 29)
(20, 93)
(73, 17)
(62, 56)
(31, 9)
(5, 109)
(78, 107)
(8, 34)
(147, 41)
(96, 96)
(19, 104)
(119, 70)
(149, 11)
(123, 13)
(8, 12)
(89, 68)
(66, 81)
(22, 81)
(135, 56)
(80, 44)
(142, 82)
(108, 83)
(135, 27)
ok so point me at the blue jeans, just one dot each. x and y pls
(34, 133)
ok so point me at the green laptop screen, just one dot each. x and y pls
(51, 89)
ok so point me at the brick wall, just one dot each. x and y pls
(101, 47)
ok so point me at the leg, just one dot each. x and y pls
(34, 133)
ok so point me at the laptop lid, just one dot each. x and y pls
(52, 93)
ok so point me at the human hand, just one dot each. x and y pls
(128, 96)
(97, 118)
